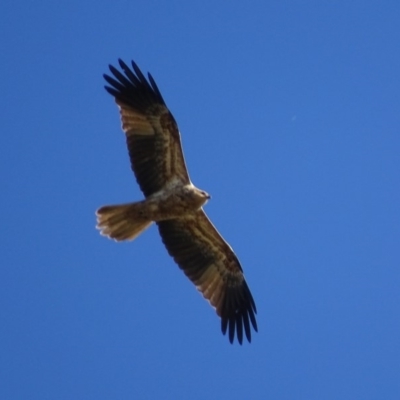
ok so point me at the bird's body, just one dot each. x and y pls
(177, 200)
(173, 202)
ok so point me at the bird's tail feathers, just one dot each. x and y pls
(122, 222)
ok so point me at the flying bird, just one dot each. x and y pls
(173, 202)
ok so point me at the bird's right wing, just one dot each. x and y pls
(152, 134)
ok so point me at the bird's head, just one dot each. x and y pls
(200, 197)
(204, 195)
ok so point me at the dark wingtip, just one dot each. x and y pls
(132, 87)
(238, 314)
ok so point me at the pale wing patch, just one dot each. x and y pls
(134, 123)
(212, 289)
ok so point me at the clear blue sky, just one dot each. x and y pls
(290, 119)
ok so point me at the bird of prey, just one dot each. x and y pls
(173, 202)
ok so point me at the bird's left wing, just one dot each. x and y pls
(210, 263)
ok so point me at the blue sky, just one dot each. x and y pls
(289, 113)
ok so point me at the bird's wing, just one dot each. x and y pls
(210, 263)
(152, 134)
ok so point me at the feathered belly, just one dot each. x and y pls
(173, 203)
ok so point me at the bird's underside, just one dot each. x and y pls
(127, 221)
(171, 201)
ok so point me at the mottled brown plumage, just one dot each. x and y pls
(173, 202)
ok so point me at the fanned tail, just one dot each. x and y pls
(122, 222)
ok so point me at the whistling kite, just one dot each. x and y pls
(173, 202)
